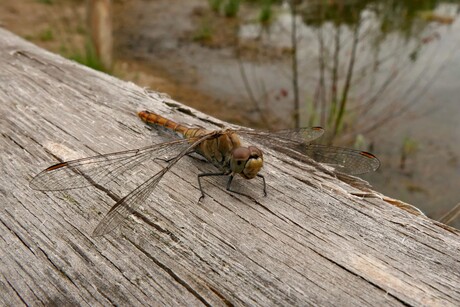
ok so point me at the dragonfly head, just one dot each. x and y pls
(247, 161)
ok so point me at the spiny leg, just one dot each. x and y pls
(230, 178)
(233, 191)
(197, 157)
(240, 193)
(265, 186)
(207, 175)
(228, 188)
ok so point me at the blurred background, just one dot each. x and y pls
(379, 75)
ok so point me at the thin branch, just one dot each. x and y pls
(334, 77)
(295, 73)
(343, 102)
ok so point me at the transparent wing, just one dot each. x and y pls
(284, 137)
(346, 160)
(128, 204)
(100, 169)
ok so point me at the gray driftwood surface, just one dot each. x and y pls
(309, 242)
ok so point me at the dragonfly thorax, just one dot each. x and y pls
(246, 161)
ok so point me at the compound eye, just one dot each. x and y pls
(255, 152)
(241, 154)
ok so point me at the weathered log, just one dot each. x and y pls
(311, 241)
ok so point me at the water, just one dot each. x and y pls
(402, 101)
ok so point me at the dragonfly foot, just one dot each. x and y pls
(206, 175)
(263, 180)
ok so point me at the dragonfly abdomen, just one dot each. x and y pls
(179, 129)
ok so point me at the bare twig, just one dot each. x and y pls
(343, 101)
(334, 77)
(295, 73)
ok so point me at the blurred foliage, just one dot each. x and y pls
(408, 149)
(215, 5)
(204, 32)
(393, 15)
(401, 16)
(46, 35)
(49, 2)
(231, 8)
(89, 58)
(266, 12)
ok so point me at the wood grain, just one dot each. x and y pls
(309, 242)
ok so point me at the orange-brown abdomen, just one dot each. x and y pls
(158, 120)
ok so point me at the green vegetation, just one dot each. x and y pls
(81, 29)
(215, 5)
(408, 149)
(89, 58)
(204, 32)
(46, 35)
(266, 12)
(49, 2)
(231, 8)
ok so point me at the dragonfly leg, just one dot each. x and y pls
(265, 186)
(197, 156)
(207, 175)
(230, 178)
(229, 182)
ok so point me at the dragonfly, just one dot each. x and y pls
(223, 148)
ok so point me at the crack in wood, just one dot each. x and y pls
(171, 273)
